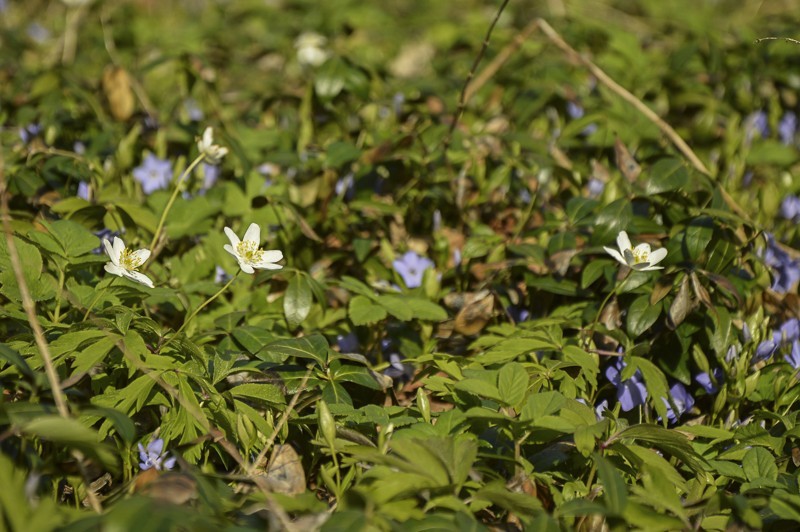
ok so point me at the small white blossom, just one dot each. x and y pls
(638, 258)
(125, 262)
(311, 49)
(248, 253)
(213, 153)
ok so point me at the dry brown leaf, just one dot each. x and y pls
(681, 305)
(474, 316)
(117, 89)
(175, 488)
(285, 472)
(625, 161)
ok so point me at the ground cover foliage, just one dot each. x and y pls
(447, 344)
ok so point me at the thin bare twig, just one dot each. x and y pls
(640, 106)
(462, 100)
(38, 334)
(499, 60)
(626, 95)
(281, 423)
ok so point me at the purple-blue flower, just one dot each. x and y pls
(793, 357)
(411, 267)
(153, 174)
(210, 176)
(193, 110)
(84, 191)
(518, 313)
(30, 131)
(346, 186)
(756, 122)
(790, 330)
(397, 370)
(348, 343)
(595, 187)
(104, 234)
(220, 275)
(601, 407)
(710, 383)
(767, 348)
(786, 271)
(682, 399)
(787, 127)
(790, 208)
(631, 392)
(153, 457)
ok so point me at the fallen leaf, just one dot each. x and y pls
(285, 472)
(117, 89)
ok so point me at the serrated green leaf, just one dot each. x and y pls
(260, 391)
(362, 311)
(512, 383)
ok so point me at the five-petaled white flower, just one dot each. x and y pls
(213, 153)
(247, 251)
(125, 262)
(639, 258)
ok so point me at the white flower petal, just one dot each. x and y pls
(110, 251)
(113, 269)
(229, 249)
(658, 255)
(641, 267)
(246, 268)
(271, 255)
(232, 237)
(629, 258)
(614, 253)
(138, 277)
(140, 256)
(253, 234)
(267, 266)
(623, 242)
(119, 247)
(651, 268)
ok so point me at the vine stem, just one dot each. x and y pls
(201, 307)
(171, 201)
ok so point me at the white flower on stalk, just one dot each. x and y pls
(212, 153)
(311, 49)
(125, 262)
(638, 258)
(248, 253)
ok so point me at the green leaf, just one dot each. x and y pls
(665, 176)
(541, 404)
(71, 433)
(396, 306)
(641, 315)
(297, 300)
(478, 387)
(656, 384)
(512, 383)
(340, 153)
(252, 338)
(614, 488)
(759, 464)
(268, 393)
(362, 311)
(314, 347)
(422, 309)
(16, 360)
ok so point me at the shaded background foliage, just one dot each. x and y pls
(448, 345)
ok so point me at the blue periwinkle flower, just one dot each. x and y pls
(793, 357)
(346, 186)
(411, 267)
(790, 208)
(210, 176)
(595, 187)
(30, 131)
(153, 457)
(518, 313)
(348, 343)
(710, 382)
(787, 127)
(756, 122)
(83, 190)
(153, 174)
(682, 399)
(631, 392)
(397, 370)
(785, 269)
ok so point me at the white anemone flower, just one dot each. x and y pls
(638, 258)
(125, 262)
(311, 49)
(212, 153)
(248, 253)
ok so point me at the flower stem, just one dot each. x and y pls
(97, 298)
(172, 199)
(201, 307)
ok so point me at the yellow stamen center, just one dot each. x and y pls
(128, 260)
(248, 250)
(641, 253)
